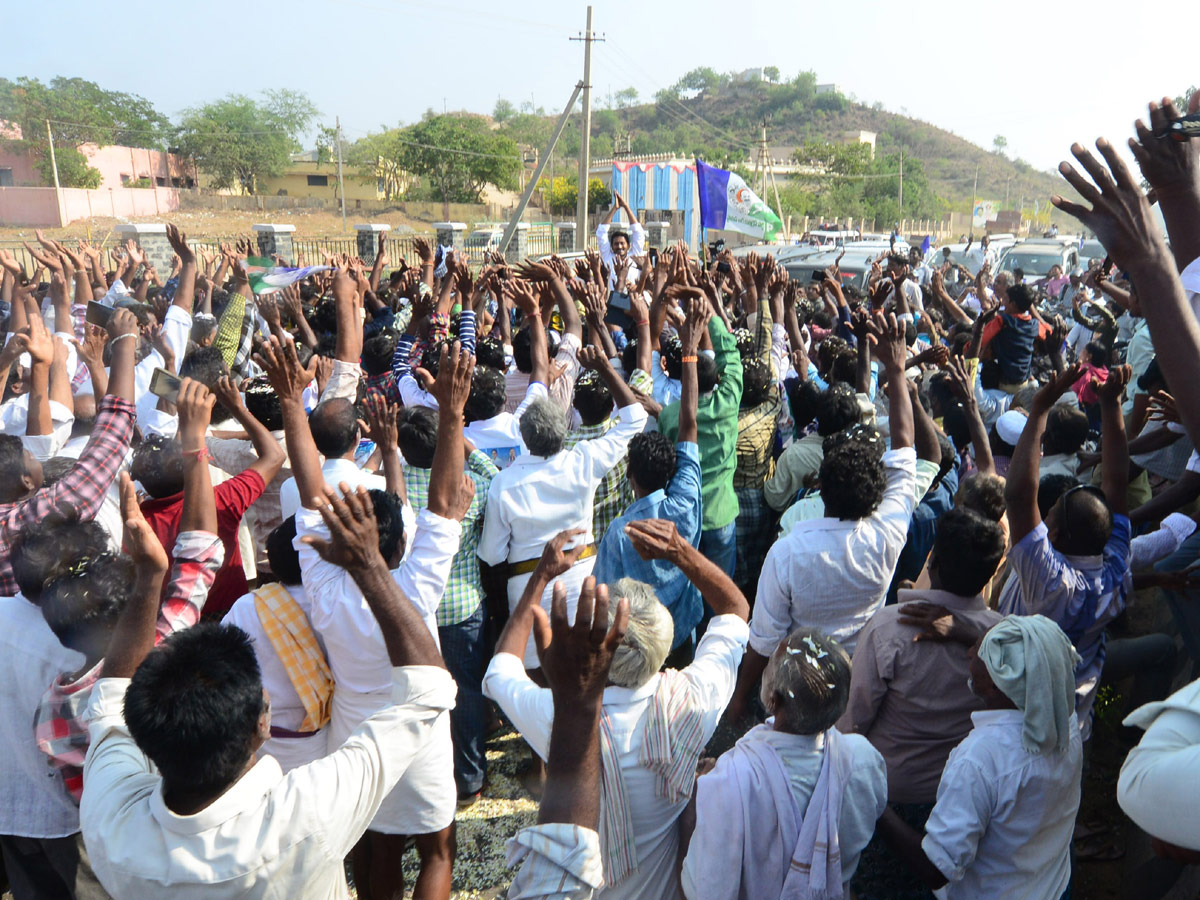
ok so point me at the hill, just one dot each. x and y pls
(720, 118)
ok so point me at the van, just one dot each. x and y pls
(1037, 256)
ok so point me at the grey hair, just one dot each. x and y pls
(543, 427)
(1006, 274)
(648, 638)
(806, 682)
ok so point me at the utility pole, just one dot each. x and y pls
(974, 192)
(901, 201)
(54, 166)
(341, 181)
(585, 145)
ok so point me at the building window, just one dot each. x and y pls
(6, 177)
(318, 181)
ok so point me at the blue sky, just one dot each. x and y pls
(1042, 74)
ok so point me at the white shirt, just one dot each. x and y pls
(176, 331)
(1158, 787)
(832, 574)
(270, 835)
(500, 436)
(333, 471)
(537, 497)
(637, 243)
(1002, 823)
(33, 801)
(977, 256)
(1190, 276)
(712, 674)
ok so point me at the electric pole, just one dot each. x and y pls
(341, 182)
(901, 201)
(585, 145)
(54, 166)
(974, 192)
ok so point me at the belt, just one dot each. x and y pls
(526, 566)
(277, 732)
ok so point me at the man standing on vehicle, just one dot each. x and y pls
(616, 247)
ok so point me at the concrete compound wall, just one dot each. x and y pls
(40, 207)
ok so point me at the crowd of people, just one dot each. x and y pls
(793, 589)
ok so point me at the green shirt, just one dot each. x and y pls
(717, 426)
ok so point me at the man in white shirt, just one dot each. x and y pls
(549, 488)
(789, 809)
(335, 429)
(617, 248)
(832, 574)
(1007, 801)
(640, 704)
(39, 822)
(978, 255)
(207, 820)
(423, 802)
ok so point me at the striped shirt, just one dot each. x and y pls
(614, 494)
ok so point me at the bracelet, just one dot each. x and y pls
(201, 454)
(643, 322)
(689, 359)
(122, 337)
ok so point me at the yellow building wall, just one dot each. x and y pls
(295, 183)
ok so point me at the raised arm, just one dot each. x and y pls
(963, 386)
(622, 393)
(660, 539)
(539, 351)
(270, 455)
(185, 292)
(289, 379)
(1115, 448)
(694, 326)
(890, 348)
(40, 347)
(451, 389)
(349, 319)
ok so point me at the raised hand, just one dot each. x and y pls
(424, 251)
(888, 343)
(227, 393)
(91, 348)
(695, 325)
(575, 658)
(278, 359)
(593, 358)
(381, 421)
(1111, 389)
(179, 244)
(1163, 408)
(195, 405)
(353, 534)
(1168, 165)
(139, 541)
(453, 383)
(656, 539)
(1049, 393)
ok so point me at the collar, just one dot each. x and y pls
(955, 602)
(529, 459)
(615, 695)
(993, 718)
(653, 499)
(242, 796)
(339, 464)
(825, 523)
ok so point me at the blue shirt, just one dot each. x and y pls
(922, 530)
(679, 503)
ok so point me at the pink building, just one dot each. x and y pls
(118, 166)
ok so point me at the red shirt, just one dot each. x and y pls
(233, 499)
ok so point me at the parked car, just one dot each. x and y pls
(1035, 257)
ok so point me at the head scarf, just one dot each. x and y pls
(1031, 660)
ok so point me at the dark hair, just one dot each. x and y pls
(416, 435)
(629, 356)
(12, 467)
(334, 426)
(837, 409)
(45, 549)
(431, 357)
(206, 365)
(1050, 488)
(324, 317)
(706, 372)
(813, 688)
(490, 352)
(1151, 378)
(56, 468)
(489, 393)
(1085, 521)
(670, 349)
(194, 703)
(843, 369)
(990, 375)
(158, 465)
(804, 398)
(949, 458)
(743, 339)
(282, 555)
(593, 399)
(757, 381)
(523, 348)
(983, 494)
(852, 480)
(262, 402)
(86, 598)
(651, 460)
(388, 520)
(1021, 296)
(615, 233)
(377, 353)
(1066, 430)
(966, 551)
(897, 259)
(1099, 353)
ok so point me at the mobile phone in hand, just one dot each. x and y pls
(166, 385)
(97, 314)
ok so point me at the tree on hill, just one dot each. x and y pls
(999, 142)
(457, 156)
(238, 140)
(80, 112)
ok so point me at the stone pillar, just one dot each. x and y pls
(151, 238)
(518, 246)
(367, 236)
(451, 234)
(656, 235)
(276, 240)
(566, 236)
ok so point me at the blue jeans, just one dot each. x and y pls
(1185, 607)
(463, 649)
(719, 545)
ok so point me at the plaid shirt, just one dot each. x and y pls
(464, 588)
(614, 494)
(60, 725)
(81, 490)
(756, 440)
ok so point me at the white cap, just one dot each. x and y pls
(1010, 425)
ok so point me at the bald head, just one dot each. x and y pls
(334, 425)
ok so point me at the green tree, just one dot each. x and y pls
(626, 97)
(563, 194)
(457, 156)
(999, 142)
(73, 169)
(238, 140)
(700, 79)
(771, 73)
(503, 110)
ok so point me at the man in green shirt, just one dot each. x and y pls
(720, 378)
